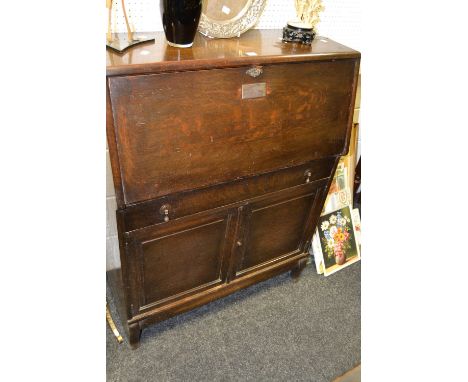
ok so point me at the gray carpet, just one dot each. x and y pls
(278, 330)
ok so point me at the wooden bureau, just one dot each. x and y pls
(221, 156)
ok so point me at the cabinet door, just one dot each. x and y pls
(179, 258)
(278, 226)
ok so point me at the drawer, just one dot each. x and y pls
(188, 203)
(189, 130)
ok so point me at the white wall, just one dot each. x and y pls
(340, 20)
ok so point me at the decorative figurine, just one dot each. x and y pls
(302, 29)
(121, 43)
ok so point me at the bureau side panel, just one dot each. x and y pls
(113, 152)
(188, 130)
(114, 273)
(119, 275)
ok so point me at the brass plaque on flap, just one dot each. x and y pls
(254, 90)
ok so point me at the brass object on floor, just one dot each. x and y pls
(111, 323)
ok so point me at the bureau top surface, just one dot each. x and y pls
(254, 46)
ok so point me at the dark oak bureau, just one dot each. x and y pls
(221, 157)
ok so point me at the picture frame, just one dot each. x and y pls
(337, 239)
(355, 216)
(316, 252)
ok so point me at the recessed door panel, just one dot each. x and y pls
(181, 257)
(279, 227)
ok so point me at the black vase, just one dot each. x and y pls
(180, 21)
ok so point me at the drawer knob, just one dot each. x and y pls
(239, 243)
(308, 175)
(254, 71)
(164, 210)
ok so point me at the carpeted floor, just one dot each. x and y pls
(278, 330)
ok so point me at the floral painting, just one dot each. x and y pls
(337, 240)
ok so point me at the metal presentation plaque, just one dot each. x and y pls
(254, 90)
